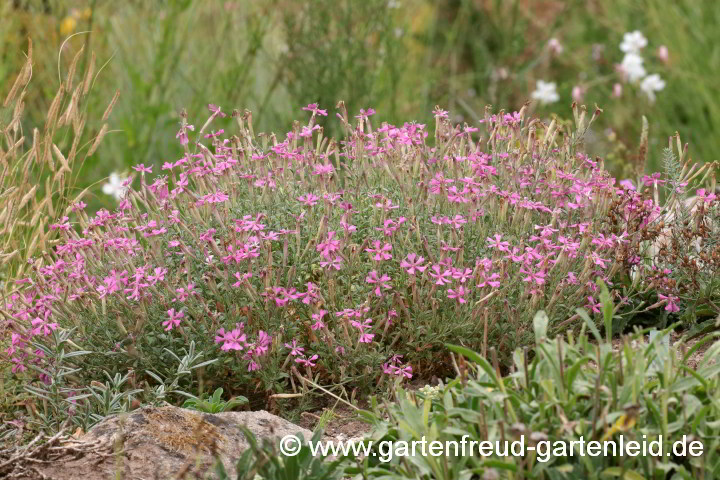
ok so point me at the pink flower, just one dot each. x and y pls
(578, 93)
(42, 325)
(79, 206)
(462, 275)
(182, 134)
(671, 302)
(309, 199)
(705, 196)
(599, 261)
(216, 110)
(242, 278)
(233, 339)
(536, 277)
(458, 294)
(18, 365)
(307, 361)
(319, 324)
(392, 367)
(174, 319)
(496, 243)
(216, 197)
(307, 131)
(294, 349)
(492, 281)
(627, 184)
(335, 262)
(329, 246)
(364, 114)
(413, 263)
(313, 107)
(617, 90)
(184, 293)
(442, 277)
(654, 179)
(594, 306)
(440, 113)
(364, 336)
(321, 169)
(390, 226)
(381, 251)
(380, 282)
(142, 168)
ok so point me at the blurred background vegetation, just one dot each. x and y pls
(401, 57)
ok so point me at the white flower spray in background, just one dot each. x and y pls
(631, 70)
(632, 64)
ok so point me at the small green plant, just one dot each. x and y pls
(214, 403)
(171, 384)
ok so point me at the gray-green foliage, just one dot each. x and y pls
(263, 460)
(570, 388)
(58, 403)
(562, 390)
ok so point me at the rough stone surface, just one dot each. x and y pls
(165, 442)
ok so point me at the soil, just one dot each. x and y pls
(344, 423)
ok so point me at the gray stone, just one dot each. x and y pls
(165, 442)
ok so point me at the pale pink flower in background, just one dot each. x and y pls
(617, 90)
(555, 47)
(578, 93)
(663, 54)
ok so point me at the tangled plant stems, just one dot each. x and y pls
(352, 262)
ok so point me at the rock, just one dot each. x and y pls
(165, 442)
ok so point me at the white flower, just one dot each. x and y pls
(393, 4)
(632, 66)
(651, 84)
(633, 42)
(115, 186)
(545, 92)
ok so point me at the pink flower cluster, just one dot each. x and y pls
(410, 243)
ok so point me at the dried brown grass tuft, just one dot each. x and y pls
(36, 183)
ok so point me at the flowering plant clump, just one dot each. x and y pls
(306, 259)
